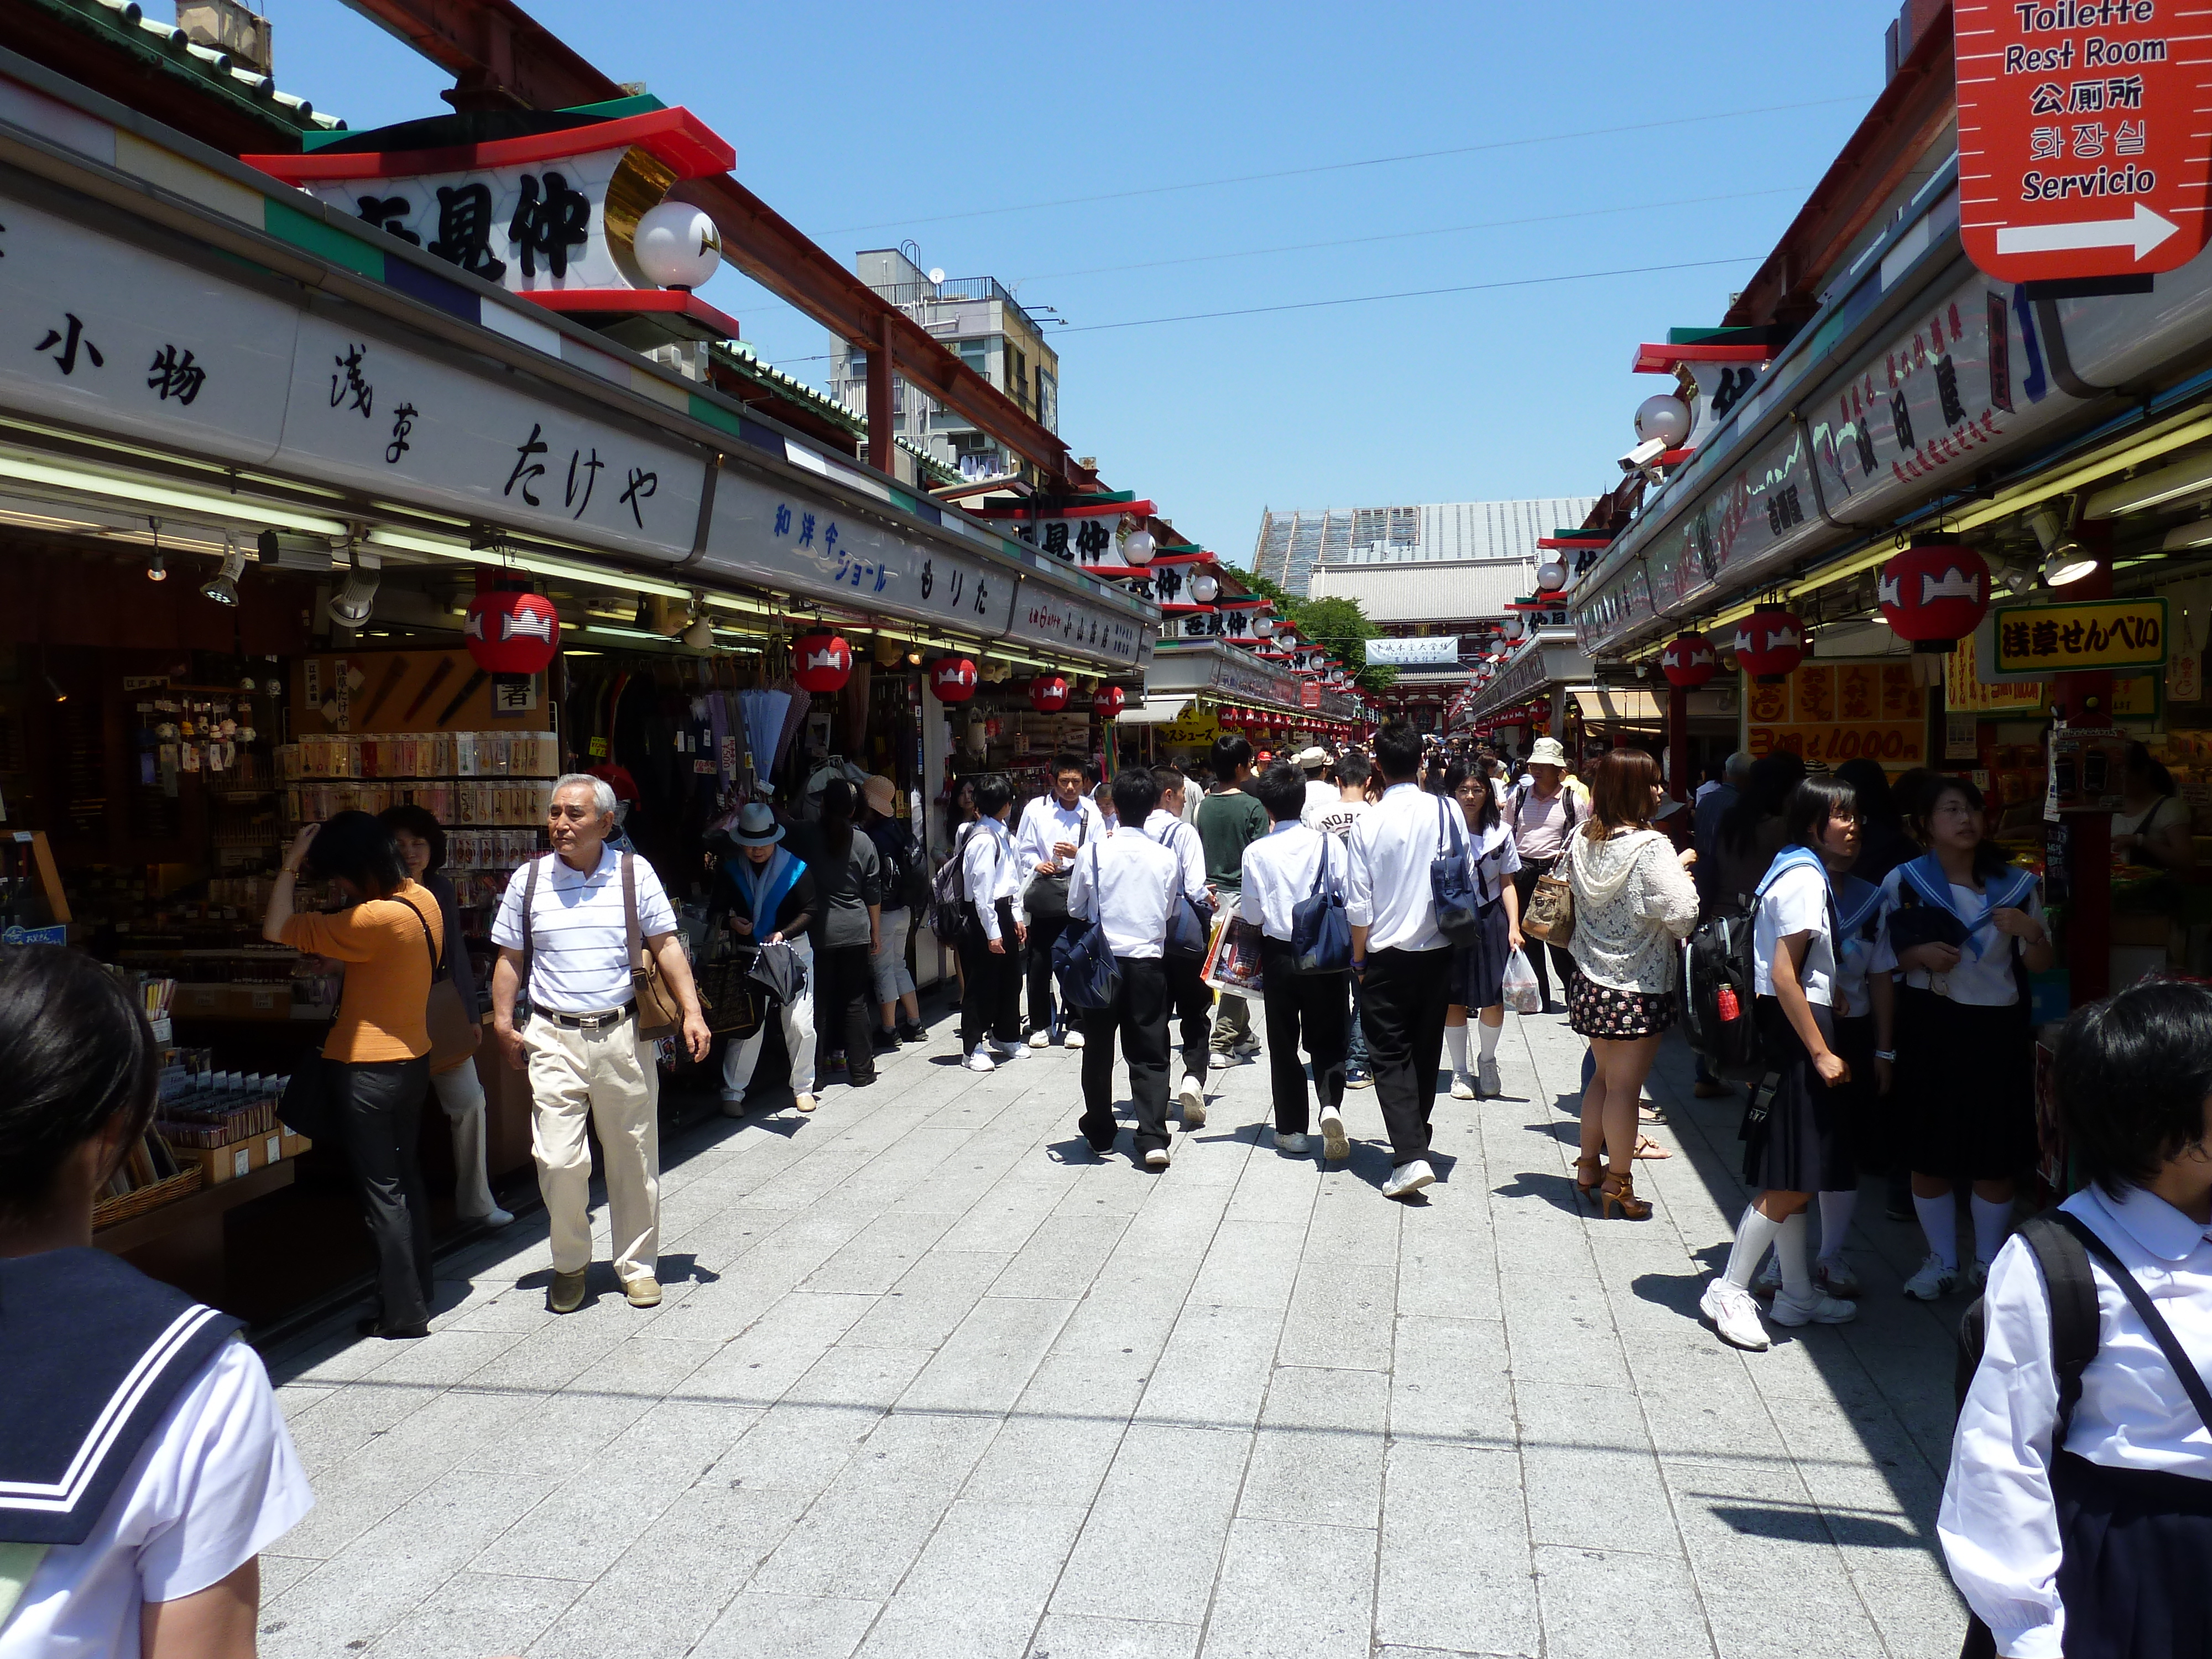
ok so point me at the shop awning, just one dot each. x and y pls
(1154, 711)
(1631, 706)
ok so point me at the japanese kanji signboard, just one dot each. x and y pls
(1830, 712)
(2080, 153)
(2056, 639)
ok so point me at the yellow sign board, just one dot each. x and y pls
(1829, 713)
(2057, 639)
(1966, 692)
(1194, 730)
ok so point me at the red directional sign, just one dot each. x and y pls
(2082, 147)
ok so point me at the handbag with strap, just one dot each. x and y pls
(1190, 925)
(1451, 884)
(453, 1031)
(1551, 913)
(1320, 928)
(1045, 898)
(658, 1013)
(1082, 961)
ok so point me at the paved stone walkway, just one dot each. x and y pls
(929, 1382)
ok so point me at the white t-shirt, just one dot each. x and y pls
(216, 1484)
(579, 944)
(1320, 799)
(1338, 818)
(1796, 903)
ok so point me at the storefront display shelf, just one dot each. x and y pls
(112, 1211)
(195, 1210)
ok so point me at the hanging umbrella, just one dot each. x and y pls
(763, 712)
(778, 968)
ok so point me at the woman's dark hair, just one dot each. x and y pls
(410, 819)
(1871, 784)
(1905, 794)
(77, 1053)
(1766, 792)
(993, 793)
(360, 848)
(1621, 791)
(1282, 790)
(1457, 773)
(1989, 858)
(837, 817)
(2139, 761)
(1136, 792)
(1813, 805)
(2133, 1073)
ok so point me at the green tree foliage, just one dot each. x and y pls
(1337, 626)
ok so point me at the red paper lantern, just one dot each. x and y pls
(1770, 642)
(953, 679)
(821, 661)
(511, 633)
(1048, 694)
(1935, 593)
(1107, 701)
(1689, 660)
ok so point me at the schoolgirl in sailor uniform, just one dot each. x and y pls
(1478, 969)
(2077, 1514)
(145, 1466)
(1951, 1035)
(1796, 1140)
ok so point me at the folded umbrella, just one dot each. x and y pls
(779, 969)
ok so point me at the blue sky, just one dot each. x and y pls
(868, 126)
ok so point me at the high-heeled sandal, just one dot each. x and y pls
(1619, 1191)
(1589, 1171)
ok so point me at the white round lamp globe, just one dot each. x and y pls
(676, 245)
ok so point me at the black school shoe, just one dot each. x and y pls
(391, 1333)
(884, 1043)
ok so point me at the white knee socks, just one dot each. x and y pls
(1752, 1235)
(1485, 1037)
(1836, 1210)
(1991, 1218)
(1455, 1041)
(1790, 1256)
(1939, 1219)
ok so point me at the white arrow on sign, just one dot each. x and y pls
(2146, 230)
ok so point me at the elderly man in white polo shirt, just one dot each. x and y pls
(579, 1042)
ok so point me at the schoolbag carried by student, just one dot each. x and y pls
(948, 904)
(1720, 980)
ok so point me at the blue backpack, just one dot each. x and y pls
(1082, 961)
(1321, 929)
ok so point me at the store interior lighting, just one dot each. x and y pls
(2064, 559)
(350, 606)
(222, 586)
(54, 688)
(155, 571)
(20, 469)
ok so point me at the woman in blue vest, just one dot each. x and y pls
(1796, 1144)
(1951, 1037)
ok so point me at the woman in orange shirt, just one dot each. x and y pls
(376, 1061)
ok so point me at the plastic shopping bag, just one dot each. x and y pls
(1521, 993)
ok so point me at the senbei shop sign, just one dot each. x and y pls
(2080, 154)
(2094, 634)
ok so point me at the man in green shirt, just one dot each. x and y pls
(1229, 821)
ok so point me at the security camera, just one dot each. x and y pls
(1645, 458)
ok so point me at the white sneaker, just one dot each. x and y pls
(1769, 1281)
(1408, 1178)
(1735, 1316)
(1833, 1274)
(1157, 1158)
(1290, 1143)
(1461, 1088)
(1933, 1282)
(1007, 1051)
(1486, 1079)
(493, 1218)
(1040, 1039)
(1335, 1145)
(1190, 1095)
(1072, 1040)
(981, 1060)
(1978, 1275)
(806, 1102)
(1818, 1310)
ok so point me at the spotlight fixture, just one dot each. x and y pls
(54, 686)
(222, 586)
(914, 655)
(2064, 559)
(700, 635)
(155, 570)
(351, 604)
(643, 622)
